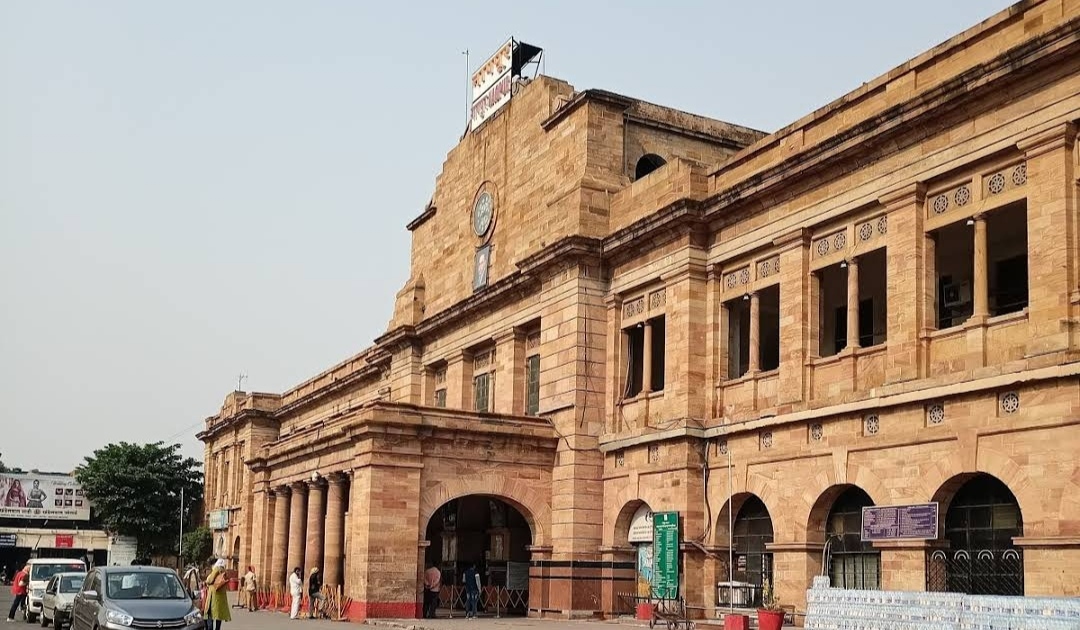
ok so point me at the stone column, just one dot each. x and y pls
(335, 529)
(853, 304)
(981, 290)
(297, 526)
(646, 366)
(1053, 268)
(315, 522)
(278, 568)
(910, 281)
(755, 333)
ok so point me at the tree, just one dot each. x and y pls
(135, 491)
(3, 468)
(198, 546)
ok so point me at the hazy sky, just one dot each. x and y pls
(189, 190)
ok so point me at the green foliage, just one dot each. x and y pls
(3, 467)
(198, 546)
(135, 491)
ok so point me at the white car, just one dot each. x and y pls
(41, 571)
(59, 596)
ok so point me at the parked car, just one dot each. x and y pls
(134, 597)
(59, 597)
(41, 571)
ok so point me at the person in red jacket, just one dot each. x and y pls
(19, 587)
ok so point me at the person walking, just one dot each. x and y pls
(315, 596)
(296, 590)
(472, 591)
(251, 589)
(216, 606)
(432, 584)
(19, 585)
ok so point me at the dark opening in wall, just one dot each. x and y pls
(656, 357)
(647, 164)
(769, 328)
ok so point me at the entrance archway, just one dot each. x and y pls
(491, 535)
(634, 527)
(752, 531)
(236, 554)
(853, 563)
(982, 518)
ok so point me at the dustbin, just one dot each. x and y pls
(645, 611)
(234, 584)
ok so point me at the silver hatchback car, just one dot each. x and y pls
(118, 598)
(59, 597)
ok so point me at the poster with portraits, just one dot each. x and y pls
(29, 495)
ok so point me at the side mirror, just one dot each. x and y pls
(90, 595)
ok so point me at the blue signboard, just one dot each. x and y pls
(900, 522)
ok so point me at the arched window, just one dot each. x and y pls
(753, 530)
(981, 559)
(852, 562)
(647, 164)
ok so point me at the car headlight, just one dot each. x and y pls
(193, 617)
(37, 592)
(119, 617)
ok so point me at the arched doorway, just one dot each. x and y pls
(852, 563)
(634, 527)
(491, 535)
(751, 532)
(980, 558)
(236, 554)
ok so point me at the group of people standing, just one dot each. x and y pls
(433, 585)
(315, 594)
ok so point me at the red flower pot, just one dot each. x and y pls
(770, 619)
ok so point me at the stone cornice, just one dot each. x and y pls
(428, 212)
(675, 219)
(244, 415)
(904, 119)
(601, 96)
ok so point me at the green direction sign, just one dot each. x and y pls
(666, 555)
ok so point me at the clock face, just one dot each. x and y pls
(481, 216)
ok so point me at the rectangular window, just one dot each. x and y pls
(769, 328)
(832, 310)
(634, 338)
(532, 385)
(954, 253)
(440, 398)
(872, 299)
(1006, 256)
(656, 354)
(481, 385)
(438, 385)
(738, 337)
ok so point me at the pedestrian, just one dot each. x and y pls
(19, 586)
(315, 596)
(296, 590)
(432, 584)
(472, 591)
(251, 588)
(216, 606)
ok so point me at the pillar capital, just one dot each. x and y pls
(281, 491)
(337, 478)
(298, 487)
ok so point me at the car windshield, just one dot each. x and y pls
(44, 572)
(143, 585)
(71, 583)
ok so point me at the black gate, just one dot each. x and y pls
(976, 572)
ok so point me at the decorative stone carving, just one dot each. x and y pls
(633, 308)
(871, 424)
(657, 299)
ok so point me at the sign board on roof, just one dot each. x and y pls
(493, 82)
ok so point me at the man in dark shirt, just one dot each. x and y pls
(315, 595)
(472, 591)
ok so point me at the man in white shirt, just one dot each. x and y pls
(296, 589)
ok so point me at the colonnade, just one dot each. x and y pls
(309, 529)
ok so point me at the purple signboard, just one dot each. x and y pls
(899, 522)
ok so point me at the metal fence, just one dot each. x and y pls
(495, 600)
(976, 572)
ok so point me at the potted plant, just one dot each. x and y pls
(770, 616)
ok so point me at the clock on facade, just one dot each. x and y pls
(482, 213)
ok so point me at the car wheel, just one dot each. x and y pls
(44, 619)
(31, 618)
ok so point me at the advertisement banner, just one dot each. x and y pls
(57, 497)
(641, 526)
(65, 541)
(9, 540)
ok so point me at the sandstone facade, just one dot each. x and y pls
(874, 305)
